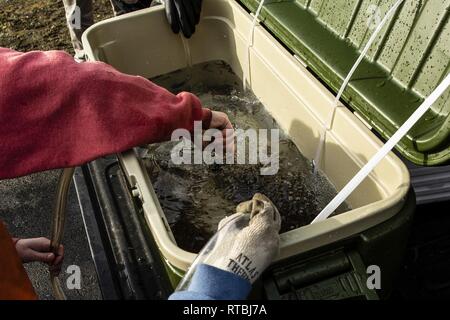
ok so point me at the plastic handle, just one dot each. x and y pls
(390, 144)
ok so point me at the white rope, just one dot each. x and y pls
(250, 44)
(390, 144)
(329, 122)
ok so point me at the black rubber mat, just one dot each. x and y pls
(426, 270)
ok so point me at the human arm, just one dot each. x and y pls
(57, 113)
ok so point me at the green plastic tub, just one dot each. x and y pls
(407, 61)
(142, 43)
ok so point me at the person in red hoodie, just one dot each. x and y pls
(56, 113)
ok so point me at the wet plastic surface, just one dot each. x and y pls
(408, 60)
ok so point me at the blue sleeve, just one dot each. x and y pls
(211, 283)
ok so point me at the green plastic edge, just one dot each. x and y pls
(284, 28)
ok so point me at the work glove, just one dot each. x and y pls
(249, 250)
(184, 15)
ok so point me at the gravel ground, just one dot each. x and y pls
(40, 24)
(26, 208)
(26, 203)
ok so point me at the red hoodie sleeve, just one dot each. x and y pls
(57, 113)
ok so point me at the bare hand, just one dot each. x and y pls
(220, 121)
(38, 249)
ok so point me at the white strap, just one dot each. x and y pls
(390, 144)
(250, 44)
(330, 119)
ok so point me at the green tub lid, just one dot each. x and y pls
(404, 65)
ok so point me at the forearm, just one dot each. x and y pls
(56, 113)
(210, 283)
